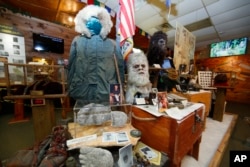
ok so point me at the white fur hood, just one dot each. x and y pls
(93, 11)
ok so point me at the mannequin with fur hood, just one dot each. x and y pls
(138, 82)
(91, 67)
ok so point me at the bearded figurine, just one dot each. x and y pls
(138, 77)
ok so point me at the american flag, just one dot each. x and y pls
(127, 19)
(126, 28)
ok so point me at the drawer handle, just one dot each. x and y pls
(142, 119)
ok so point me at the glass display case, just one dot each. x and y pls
(20, 79)
(100, 124)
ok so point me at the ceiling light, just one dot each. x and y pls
(70, 19)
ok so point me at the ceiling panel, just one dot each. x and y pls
(141, 15)
(236, 33)
(233, 14)
(205, 31)
(224, 27)
(113, 4)
(185, 7)
(152, 21)
(224, 6)
(209, 2)
(171, 33)
(191, 17)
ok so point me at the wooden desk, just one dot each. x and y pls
(43, 116)
(174, 137)
(203, 96)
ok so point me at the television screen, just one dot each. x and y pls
(45, 43)
(229, 47)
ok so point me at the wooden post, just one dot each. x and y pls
(43, 119)
(219, 104)
(19, 112)
(65, 101)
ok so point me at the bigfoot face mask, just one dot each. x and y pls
(138, 69)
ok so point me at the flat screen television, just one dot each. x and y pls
(229, 47)
(45, 43)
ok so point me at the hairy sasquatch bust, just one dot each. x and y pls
(138, 76)
(157, 48)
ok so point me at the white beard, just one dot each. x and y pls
(138, 79)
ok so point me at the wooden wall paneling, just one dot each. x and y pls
(27, 25)
(238, 64)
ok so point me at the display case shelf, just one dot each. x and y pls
(18, 76)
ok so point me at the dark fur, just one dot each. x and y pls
(156, 54)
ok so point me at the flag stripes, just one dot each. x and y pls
(127, 21)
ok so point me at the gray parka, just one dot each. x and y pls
(92, 69)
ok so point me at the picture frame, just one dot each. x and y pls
(115, 94)
(162, 101)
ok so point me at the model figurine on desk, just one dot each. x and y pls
(138, 77)
(91, 67)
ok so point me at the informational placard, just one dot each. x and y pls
(38, 102)
(12, 46)
(184, 47)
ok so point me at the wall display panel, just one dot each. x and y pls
(12, 47)
(184, 47)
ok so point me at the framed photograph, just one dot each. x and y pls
(115, 94)
(108, 137)
(162, 101)
(122, 137)
(126, 156)
(148, 152)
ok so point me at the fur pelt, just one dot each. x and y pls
(93, 11)
(156, 54)
(138, 78)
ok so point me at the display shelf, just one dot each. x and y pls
(98, 125)
(28, 74)
(21, 79)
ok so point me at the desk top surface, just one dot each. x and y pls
(174, 112)
(47, 96)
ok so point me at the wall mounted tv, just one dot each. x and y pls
(229, 47)
(45, 43)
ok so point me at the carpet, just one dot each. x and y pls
(213, 143)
